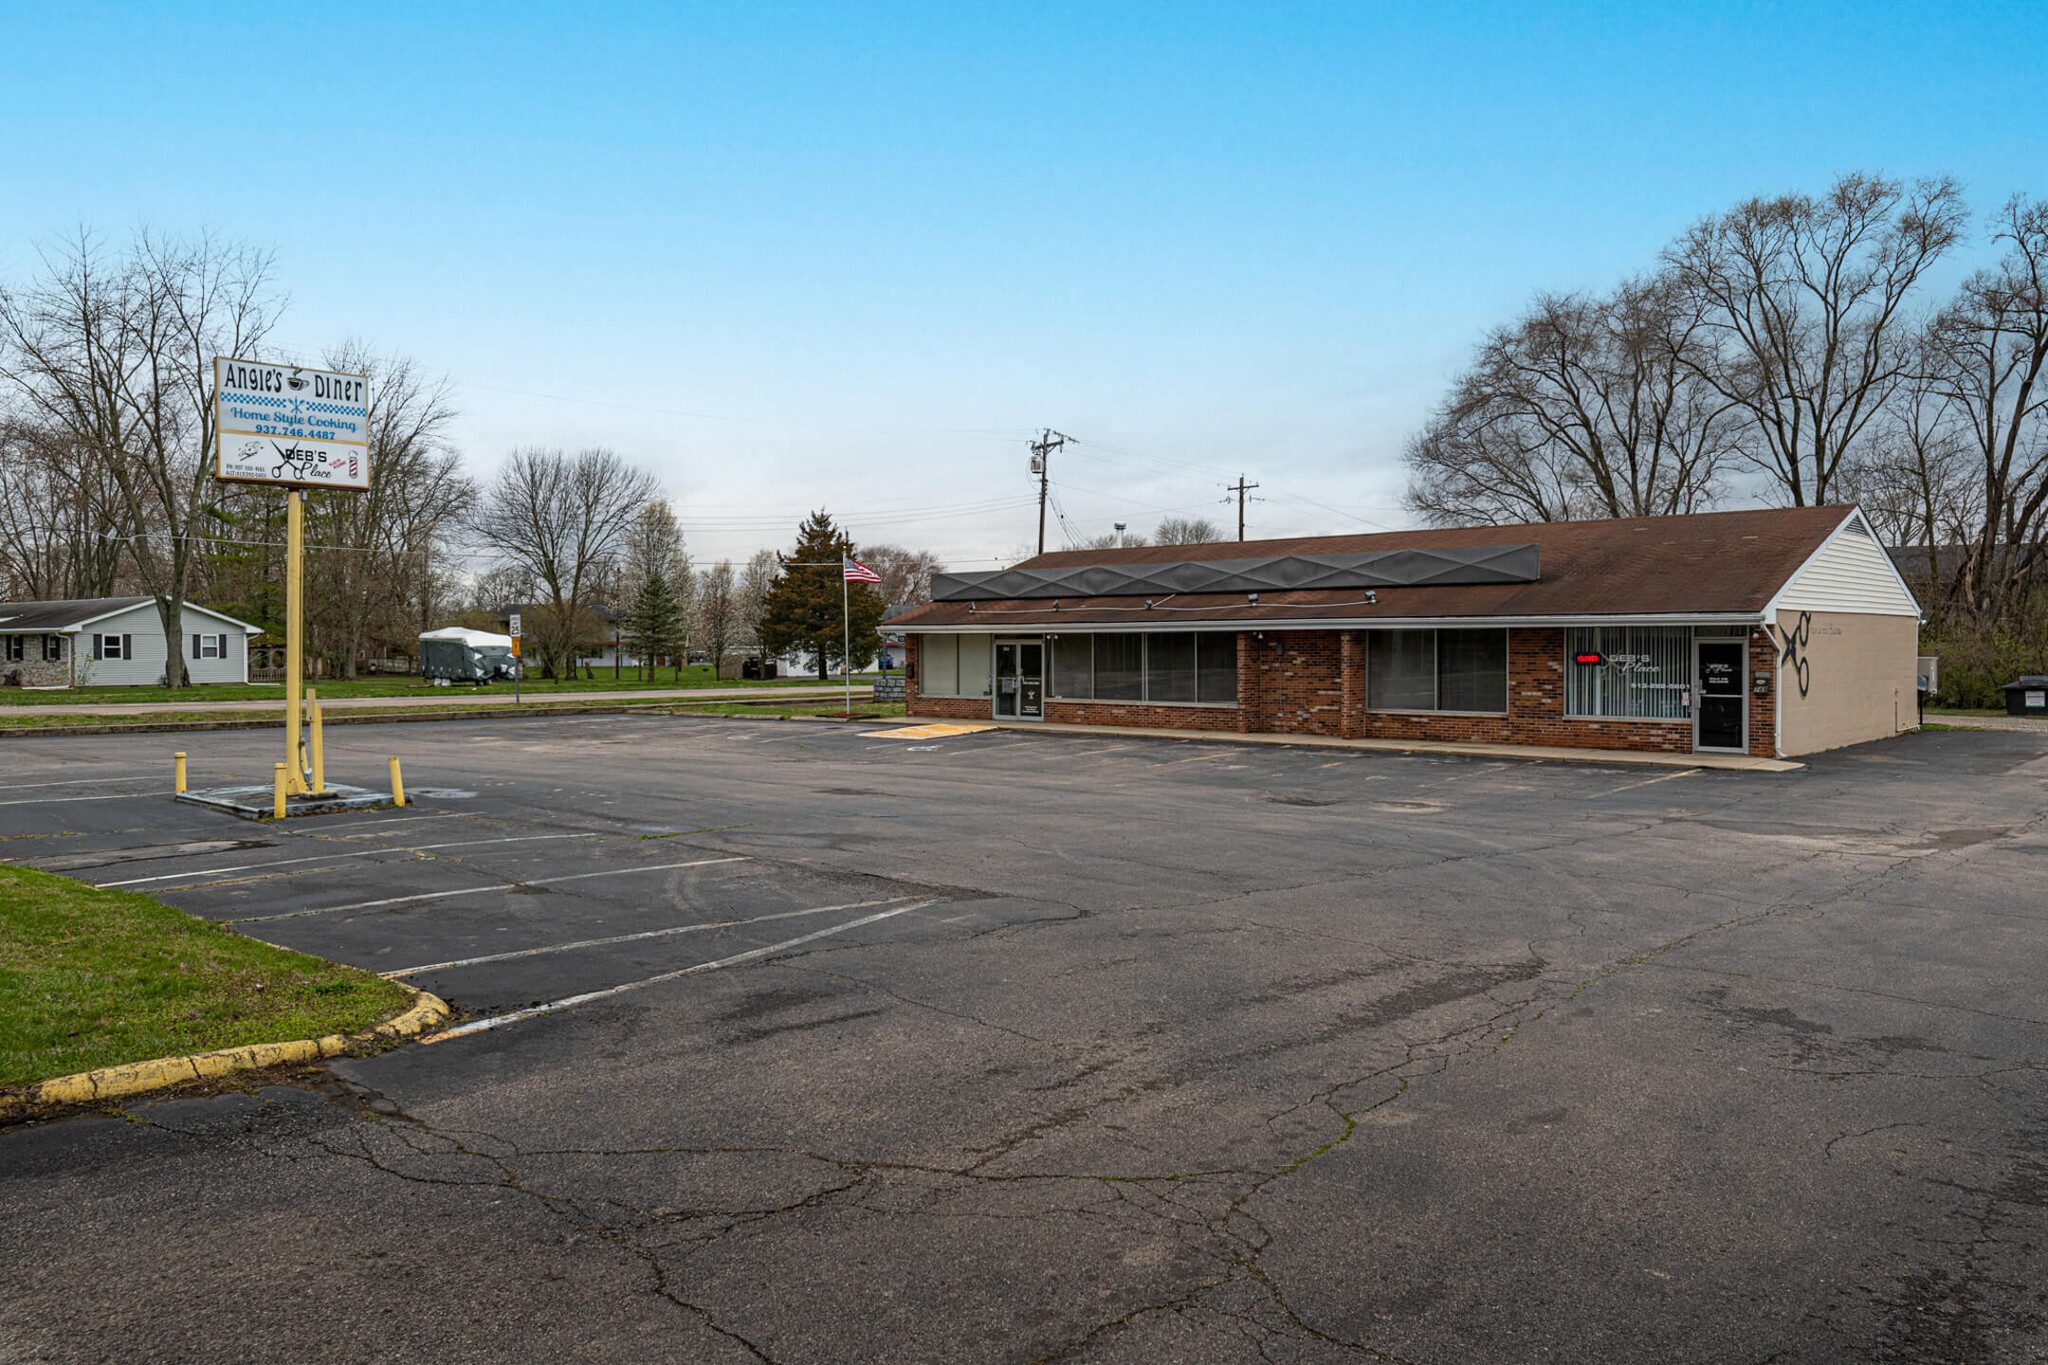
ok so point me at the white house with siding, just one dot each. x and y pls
(116, 642)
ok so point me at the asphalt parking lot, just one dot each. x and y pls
(789, 1044)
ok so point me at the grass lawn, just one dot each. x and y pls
(94, 978)
(696, 675)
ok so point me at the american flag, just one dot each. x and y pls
(857, 572)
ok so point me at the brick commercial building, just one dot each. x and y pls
(1771, 633)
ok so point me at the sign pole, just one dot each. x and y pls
(518, 664)
(294, 635)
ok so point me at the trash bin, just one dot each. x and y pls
(751, 670)
(2027, 696)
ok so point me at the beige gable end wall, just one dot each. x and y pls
(1860, 678)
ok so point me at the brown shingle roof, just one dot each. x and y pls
(1708, 563)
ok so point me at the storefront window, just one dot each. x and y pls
(1216, 666)
(1472, 670)
(1628, 672)
(1170, 667)
(1073, 667)
(1437, 670)
(952, 666)
(1167, 666)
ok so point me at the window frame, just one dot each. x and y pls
(1684, 688)
(1436, 667)
(1056, 691)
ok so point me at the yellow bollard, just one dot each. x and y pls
(180, 758)
(319, 754)
(397, 785)
(277, 794)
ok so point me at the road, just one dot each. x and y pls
(1020, 1047)
(442, 696)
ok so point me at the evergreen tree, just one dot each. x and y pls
(654, 625)
(803, 608)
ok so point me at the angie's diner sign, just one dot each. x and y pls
(285, 424)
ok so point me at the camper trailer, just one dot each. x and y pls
(454, 655)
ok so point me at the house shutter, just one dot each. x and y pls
(223, 646)
(96, 646)
(127, 647)
(195, 646)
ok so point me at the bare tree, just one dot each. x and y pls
(718, 611)
(116, 357)
(1186, 531)
(757, 580)
(58, 518)
(1108, 540)
(375, 547)
(1804, 310)
(564, 520)
(654, 544)
(1989, 351)
(906, 574)
(1583, 407)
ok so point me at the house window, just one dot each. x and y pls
(12, 645)
(1166, 666)
(110, 646)
(1437, 670)
(1628, 673)
(209, 646)
(53, 649)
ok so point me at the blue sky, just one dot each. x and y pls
(849, 256)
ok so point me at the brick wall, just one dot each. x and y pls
(32, 670)
(1313, 683)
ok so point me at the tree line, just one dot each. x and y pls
(107, 489)
(1793, 351)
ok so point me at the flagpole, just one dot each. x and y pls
(846, 625)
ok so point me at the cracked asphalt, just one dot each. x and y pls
(1022, 1047)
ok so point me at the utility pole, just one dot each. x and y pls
(1041, 452)
(1240, 488)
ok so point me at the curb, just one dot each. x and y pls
(135, 1078)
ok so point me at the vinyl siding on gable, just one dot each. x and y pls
(1850, 573)
(146, 634)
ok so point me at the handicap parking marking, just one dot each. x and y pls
(946, 731)
(751, 955)
(480, 890)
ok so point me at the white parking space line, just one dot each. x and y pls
(570, 1002)
(61, 800)
(333, 857)
(68, 782)
(1646, 782)
(631, 938)
(478, 890)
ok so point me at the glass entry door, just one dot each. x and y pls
(1721, 715)
(1020, 680)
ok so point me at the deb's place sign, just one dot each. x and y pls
(288, 425)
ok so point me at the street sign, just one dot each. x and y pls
(292, 426)
(513, 631)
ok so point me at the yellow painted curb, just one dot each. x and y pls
(135, 1078)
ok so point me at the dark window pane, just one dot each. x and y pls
(1472, 670)
(1170, 668)
(1119, 668)
(1073, 672)
(1215, 666)
(1401, 670)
